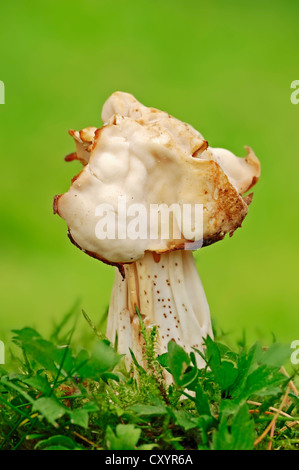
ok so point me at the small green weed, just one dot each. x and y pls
(60, 399)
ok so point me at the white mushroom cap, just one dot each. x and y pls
(145, 156)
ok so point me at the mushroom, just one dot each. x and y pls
(140, 159)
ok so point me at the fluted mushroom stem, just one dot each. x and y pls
(168, 292)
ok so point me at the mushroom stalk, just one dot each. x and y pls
(168, 292)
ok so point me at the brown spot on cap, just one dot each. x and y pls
(55, 203)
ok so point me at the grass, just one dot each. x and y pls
(54, 397)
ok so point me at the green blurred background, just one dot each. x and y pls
(223, 66)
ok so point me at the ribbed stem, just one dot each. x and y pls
(168, 292)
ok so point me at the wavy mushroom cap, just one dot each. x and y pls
(145, 156)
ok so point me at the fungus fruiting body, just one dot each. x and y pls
(141, 162)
